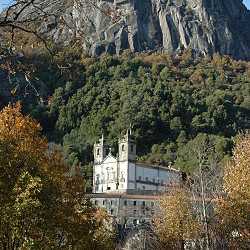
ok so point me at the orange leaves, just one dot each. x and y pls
(39, 199)
(22, 147)
(21, 132)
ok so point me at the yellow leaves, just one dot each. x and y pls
(101, 215)
(13, 91)
(26, 191)
(232, 211)
(176, 221)
(237, 172)
(104, 233)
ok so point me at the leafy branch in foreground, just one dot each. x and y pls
(41, 205)
(176, 223)
(233, 209)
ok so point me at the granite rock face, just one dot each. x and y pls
(205, 26)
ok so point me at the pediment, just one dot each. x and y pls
(110, 159)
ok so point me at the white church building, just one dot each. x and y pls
(129, 189)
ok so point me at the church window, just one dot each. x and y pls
(111, 211)
(98, 151)
(97, 179)
(107, 151)
(123, 147)
(103, 202)
(122, 179)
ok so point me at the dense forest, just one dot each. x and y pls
(185, 110)
(171, 102)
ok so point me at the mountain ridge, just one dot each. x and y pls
(206, 27)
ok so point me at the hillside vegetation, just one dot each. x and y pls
(172, 102)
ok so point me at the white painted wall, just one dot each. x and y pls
(132, 176)
(105, 178)
(109, 174)
(123, 176)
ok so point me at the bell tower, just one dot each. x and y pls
(127, 147)
(100, 150)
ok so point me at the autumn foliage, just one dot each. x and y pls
(176, 223)
(233, 211)
(41, 205)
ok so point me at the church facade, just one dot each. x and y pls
(129, 189)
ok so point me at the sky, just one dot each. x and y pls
(247, 3)
(4, 3)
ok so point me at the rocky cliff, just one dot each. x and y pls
(206, 26)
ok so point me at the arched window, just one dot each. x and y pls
(123, 147)
(97, 181)
(98, 151)
(107, 151)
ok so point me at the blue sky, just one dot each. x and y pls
(4, 3)
(247, 3)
